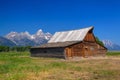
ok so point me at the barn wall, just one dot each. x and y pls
(77, 50)
(90, 49)
(48, 52)
(93, 49)
(101, 50)
(85, 49)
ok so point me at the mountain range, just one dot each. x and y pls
(27, 39)
(110, 45)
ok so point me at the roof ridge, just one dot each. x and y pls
(76, 29)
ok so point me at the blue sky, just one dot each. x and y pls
(61, 15)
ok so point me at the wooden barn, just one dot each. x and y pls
(69, 44)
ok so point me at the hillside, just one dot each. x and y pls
(6, 42)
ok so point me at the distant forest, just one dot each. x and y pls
(15, 48)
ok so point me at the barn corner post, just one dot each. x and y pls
(65, 57)
(32, 52)
(66, 53)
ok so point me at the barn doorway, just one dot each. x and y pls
(68, 52)
(86, 52)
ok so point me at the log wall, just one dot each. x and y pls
(85, 49)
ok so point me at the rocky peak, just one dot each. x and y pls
(39, 32)
(25, 38)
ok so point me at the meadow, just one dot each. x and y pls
(20, 66)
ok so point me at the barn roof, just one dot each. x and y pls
(58, 44)
(66, 38)
(73, 35)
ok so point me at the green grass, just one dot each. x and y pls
(113, 53)
(20, 66)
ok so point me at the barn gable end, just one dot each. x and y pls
(90, 36)
(69, 44)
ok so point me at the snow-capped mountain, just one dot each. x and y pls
(110, 45)
(25, 38)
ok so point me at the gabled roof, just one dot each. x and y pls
(73, 35)
(66, 38)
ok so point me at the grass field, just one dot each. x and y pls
(20, 66)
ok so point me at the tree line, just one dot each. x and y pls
(15, 48)
(99, 41)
